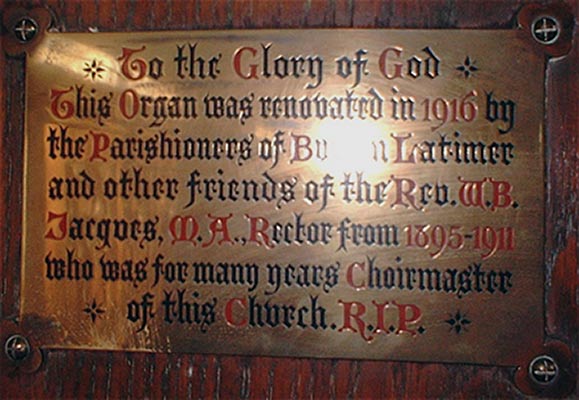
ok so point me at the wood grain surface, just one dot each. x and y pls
(97, 374)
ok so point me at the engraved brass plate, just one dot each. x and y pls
(323, 193)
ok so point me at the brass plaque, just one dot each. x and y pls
(369, 194)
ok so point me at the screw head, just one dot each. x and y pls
(17, 348)
(546, 29)
(543, 370)
(25, 29)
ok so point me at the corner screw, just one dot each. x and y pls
(17, 348)
(543, 370)
(25, 29)
(546, 30)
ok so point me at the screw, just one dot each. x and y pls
(17, 348)
(543, 370)
(25, 29)
(545, 30)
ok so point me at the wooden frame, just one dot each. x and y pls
(116, 374)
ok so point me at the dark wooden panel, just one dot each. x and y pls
(118, 375)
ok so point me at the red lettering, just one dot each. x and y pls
(356, 316)
(61, 109)
(350, 275)
(501, 194)
(129, 96)
(380, 309)
(400, 150)
(407, 193)
(229, 312)
(258, 227)
(252, 74)
(184, 229)
(383, 63)
(101, 142)
(301, 143)
(407, 314)
(471, 193)
(132, 69)
(218, 225)
(61, 219)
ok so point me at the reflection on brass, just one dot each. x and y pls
(322, 193)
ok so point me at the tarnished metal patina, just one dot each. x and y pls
(369, 194)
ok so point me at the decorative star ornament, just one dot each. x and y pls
(94, 70)
(468, 67)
